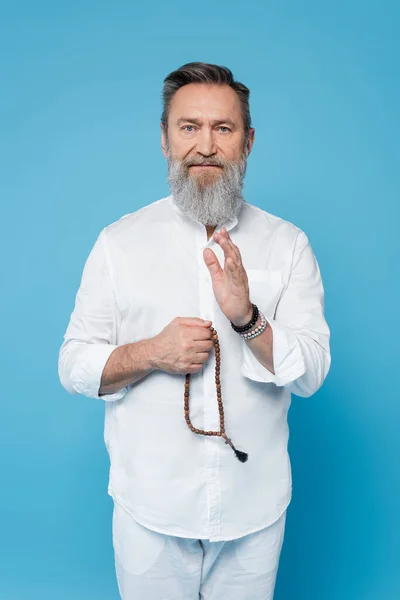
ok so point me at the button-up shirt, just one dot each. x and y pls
(143, 271)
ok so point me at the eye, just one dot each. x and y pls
(224, 129)
(188, 128)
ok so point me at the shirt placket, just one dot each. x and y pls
(211, 415)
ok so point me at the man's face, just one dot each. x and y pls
(207, 150)
(205, 124)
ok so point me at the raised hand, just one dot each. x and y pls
(230, 284)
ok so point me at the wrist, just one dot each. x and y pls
(240, 322)
(147, 349)
(256, 324)
(150, 351)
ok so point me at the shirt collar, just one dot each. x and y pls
(230, 224)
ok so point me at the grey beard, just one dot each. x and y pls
(213, 203)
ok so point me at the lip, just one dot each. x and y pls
(206, 166)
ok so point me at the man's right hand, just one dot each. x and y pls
(182, 346)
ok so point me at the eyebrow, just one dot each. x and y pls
(197, 122)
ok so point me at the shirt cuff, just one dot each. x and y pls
(88, 369)
(289, 362)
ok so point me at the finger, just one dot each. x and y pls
(201, 334)
(212, 262)
(232, 246)
(204, 346)
(194, 322)
(227, 244)
(194, 369)
(200, 356)
(232, 268)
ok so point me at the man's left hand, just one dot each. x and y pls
(230, 284)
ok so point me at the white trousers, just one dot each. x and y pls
(155, 566)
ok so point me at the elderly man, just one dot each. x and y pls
(196, 318)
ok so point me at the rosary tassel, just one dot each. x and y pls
(242, 456)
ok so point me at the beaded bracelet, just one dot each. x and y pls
(258, 330)
(249, 325)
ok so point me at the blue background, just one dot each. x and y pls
(80, 107)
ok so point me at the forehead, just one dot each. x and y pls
(199, 100)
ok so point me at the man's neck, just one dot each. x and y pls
(210, 230)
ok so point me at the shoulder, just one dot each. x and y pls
(270, 224)
(129, 224)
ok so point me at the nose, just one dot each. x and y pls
(205, 143)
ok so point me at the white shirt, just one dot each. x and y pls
(146, 269)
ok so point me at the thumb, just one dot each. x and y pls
(211, 261)
(195, 322)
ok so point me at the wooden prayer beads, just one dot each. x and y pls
(242, 456)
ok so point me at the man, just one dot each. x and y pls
(190, 520)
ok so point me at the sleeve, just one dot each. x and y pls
(91, 334)
(301, 335)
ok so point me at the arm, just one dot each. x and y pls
(262, 345)
(294, 350)
(90, 361)
(126, 365)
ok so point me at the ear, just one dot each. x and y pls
(250, 142)
(163, 141)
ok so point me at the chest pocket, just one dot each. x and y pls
(266, 287)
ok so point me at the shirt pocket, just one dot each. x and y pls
(265, 287)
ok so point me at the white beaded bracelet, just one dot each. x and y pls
(258, 330)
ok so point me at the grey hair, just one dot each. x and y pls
(199, 72)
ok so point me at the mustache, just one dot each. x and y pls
(192, 162)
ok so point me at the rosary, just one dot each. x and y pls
(247, 334)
